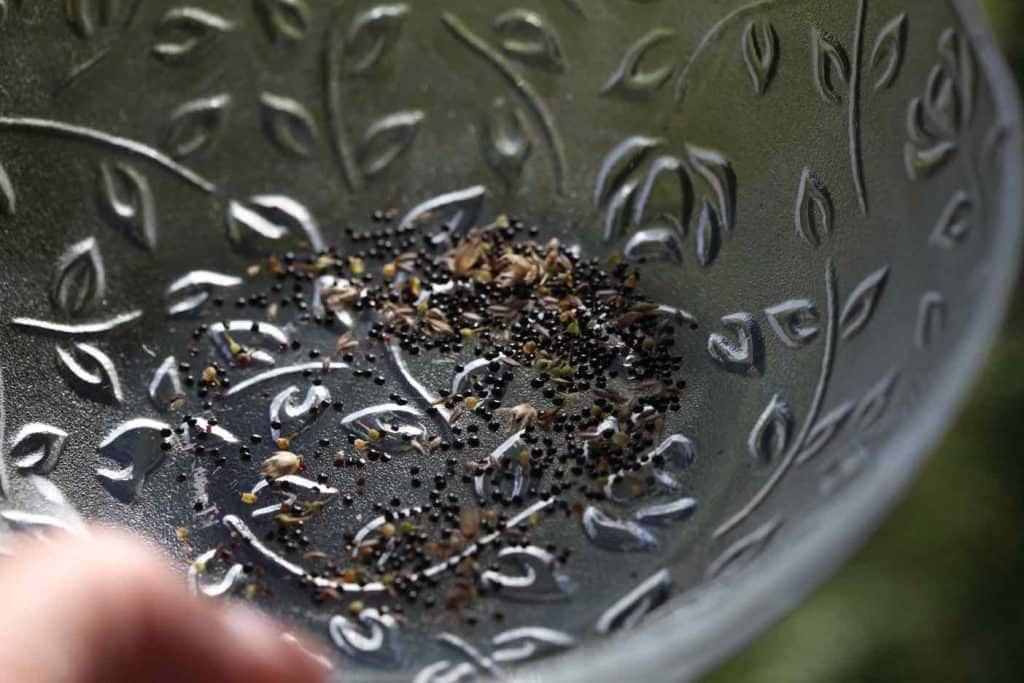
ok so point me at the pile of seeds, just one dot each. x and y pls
(564, 375)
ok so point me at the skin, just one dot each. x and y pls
(106, 608)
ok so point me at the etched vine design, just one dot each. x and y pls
(832, 67)
(540, 44)
(507, 647)
(358, 49)
(630, 190)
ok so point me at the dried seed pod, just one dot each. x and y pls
(280, 464)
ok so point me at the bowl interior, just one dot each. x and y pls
(823, 191)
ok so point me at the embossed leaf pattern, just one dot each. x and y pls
(371, 638)
(709, 237)
(931, 319)
(195, 125)
(189, 292)
(741, 349)
(831, 66)
(615, 534)
(183, 32)
(760, 53)
(458, 211)
(79, 279)
(936, 118)
(166, 386)
(90, 373)
(87, 16)
(862, 303)
(529, 574)
(126, 201)
(794, 322)
(631, 79)
(284, 20)
(505, 142)
(875, 403)
(386, 139)
(373, 35)
(716, 171)
(528, 642)
(268, 223)
(814, 211)
(771, 434)
(139, 447)
(824, 430)
(289, 125)
(741, 553)
(8, 199)
(527, 36)
(38, 447)
(631, 609)
(954, 224)
(887, 55)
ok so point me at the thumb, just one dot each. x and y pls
(105, 608)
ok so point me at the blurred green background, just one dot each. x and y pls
(937, 594)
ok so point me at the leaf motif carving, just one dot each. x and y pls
(38, 447)
(771, 434)
(876, 401)
(373, 35)
(202, 572)
(680, 192)
(528, 642)
(87, 16)
(289, 124)
(760, 52)
(458, 211)
(91, 373)
(709, 238)
(824, 431)
(529, 574)
(744, 551)
(954, 224)
(386, 139)
(742, 352)
(655, 243)
(183, 32)
(126, 200)
(931, 318)
(189, 292)
(614, 534)
(79, 279)
(794, 322)
(284, 20)
(716, 171)
(166, 385)
(505, 142)
(862, 303)
(268, 223)
(621, 162)
(631, 80)
(8, 199)
(139, 446)
(887, 55)
(629, 610)
(294, 416)
(371, 638)
(814, 210)
(195, 125)
(831, 66)
(527, 36)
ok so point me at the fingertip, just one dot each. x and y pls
(263, 645)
